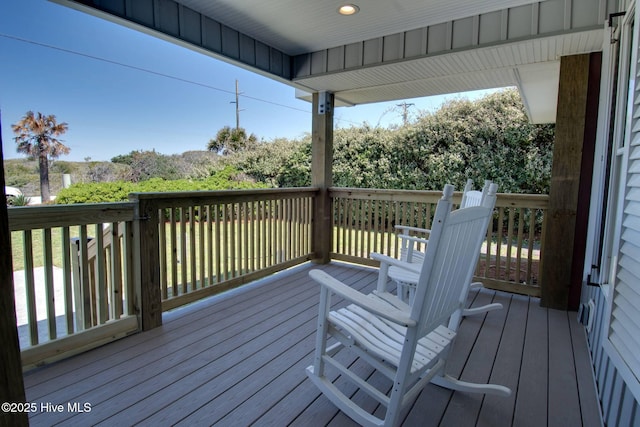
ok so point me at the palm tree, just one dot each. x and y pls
(37, 138)
(230, 140)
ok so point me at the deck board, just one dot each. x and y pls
(238, 359)
(532, 396)
(478, 367)
(498, 411)
(564, 405)
(590, 413)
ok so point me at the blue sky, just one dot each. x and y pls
(113, 109)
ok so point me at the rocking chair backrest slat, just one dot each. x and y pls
(450, 259)
(473, 197)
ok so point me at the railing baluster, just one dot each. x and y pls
(290, 238)
(519, 245)
(510, 227)
(192, 255)
(499, 240)
(162, 236)
(337, 225)
(30, 292)
(210, 245)
(260, 232)
(218, 239)
(225, 242)
(48, 283)
(201, 246)
(84, 294)
(280, 238)
(174, 251)
(253, 241)
(246, 258)
(65, 237)
(237, 239)
(116, 271)
(362, 226)
(100, 281)
(532, 222)
(131, 279)
(396, 220)
(231, 221)
(184, 259)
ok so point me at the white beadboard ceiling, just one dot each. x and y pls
(299, 26)
(532, 66)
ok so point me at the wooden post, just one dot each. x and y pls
(321, 175)
(573, 153)
(11, 382)
(147, 253)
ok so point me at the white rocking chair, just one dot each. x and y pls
(407, 344)
(407, 278)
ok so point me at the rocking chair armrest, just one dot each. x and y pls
(414, 229)
(384, 259)
(413, 238)
(372, 305)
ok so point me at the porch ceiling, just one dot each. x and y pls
(297, 27)
(390, 50)
(533, 66)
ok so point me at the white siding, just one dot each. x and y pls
(623, 339)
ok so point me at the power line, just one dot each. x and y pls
(146, 70)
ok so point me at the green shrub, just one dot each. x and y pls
(225, 179)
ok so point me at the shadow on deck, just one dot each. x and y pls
(238, 359)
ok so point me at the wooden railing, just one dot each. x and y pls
(81, 296)
(209, 242)
(364, 220)
(111, 269)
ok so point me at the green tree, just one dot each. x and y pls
(144, 165)
(230, 140)
(37, 137)
(361, 156)
(489, 138)
(281, 162)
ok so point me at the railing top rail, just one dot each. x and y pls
(540, 201)
(185, 198)
(387, 194)
(515, 200)
(48, 216)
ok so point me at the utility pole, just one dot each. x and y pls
(237, 107)
(405, 112)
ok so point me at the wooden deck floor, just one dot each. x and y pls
(239, 359)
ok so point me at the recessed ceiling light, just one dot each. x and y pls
(348, 9)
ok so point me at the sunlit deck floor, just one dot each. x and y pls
(239, 359)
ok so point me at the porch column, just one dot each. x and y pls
(147, 267)
(321, 174)
(573, 151)
(11, 383)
